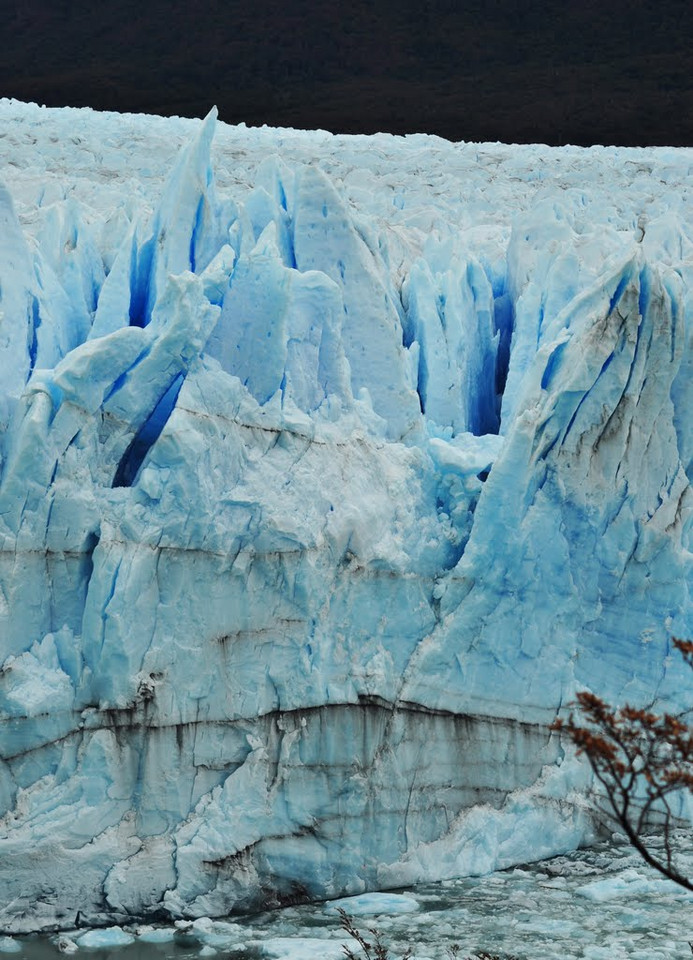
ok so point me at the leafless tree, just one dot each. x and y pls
(371, 950)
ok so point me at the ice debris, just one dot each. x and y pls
(105, 938)
(302, 948)
(373, 904)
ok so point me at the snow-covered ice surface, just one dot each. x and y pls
(539, 912)
(330, 469)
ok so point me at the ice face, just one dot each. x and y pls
(331, 468)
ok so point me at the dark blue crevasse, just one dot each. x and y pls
(291, 245)
(34, 324)
(147, 435)
(504, 323)
(422, 378)
(140, 279)
(552, 364)
(195, 233)
(618, 293)
(484, 412)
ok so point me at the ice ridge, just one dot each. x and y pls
(312, 519)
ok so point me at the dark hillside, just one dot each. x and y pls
(584, 72)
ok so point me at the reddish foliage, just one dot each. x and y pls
(641, 759)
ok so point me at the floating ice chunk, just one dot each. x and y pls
(544, 926)
(156, 934)
(9, 945)
(106, 938)
(370, 904)
(66, 945)
(216, 933)
(627, 884)
(303, 948)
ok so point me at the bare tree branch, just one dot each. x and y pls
(641, 759)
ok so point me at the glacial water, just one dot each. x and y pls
(598, 904)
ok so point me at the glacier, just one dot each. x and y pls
(330, 469)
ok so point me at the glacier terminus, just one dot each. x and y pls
(330, 469)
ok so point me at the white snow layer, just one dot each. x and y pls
(330, 468)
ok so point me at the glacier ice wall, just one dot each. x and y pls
(313, 514)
